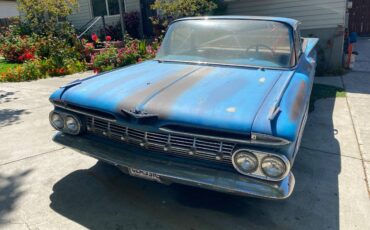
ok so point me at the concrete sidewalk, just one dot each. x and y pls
(357, 85)
(44, 186)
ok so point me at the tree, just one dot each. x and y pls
(173, 9)
(42, 16)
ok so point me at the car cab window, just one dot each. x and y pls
(232, 42)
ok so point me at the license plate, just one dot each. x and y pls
(144, 174)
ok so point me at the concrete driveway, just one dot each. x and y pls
(44, 186)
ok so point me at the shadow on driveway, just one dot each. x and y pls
(103, 197)
(10, 192)
(9, 116)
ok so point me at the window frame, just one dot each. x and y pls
(106, 9)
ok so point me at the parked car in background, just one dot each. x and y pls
(222, 106)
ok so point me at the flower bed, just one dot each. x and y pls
(41, 56)
(133, 52)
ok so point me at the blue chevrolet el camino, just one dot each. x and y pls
(222, 106)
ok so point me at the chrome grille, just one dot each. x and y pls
(181, 145)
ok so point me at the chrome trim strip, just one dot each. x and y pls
(255, 136)
(84, 113)
(225, 64)
(275, 109)
(206, 136)
(258, 173)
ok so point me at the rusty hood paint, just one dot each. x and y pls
(221, 98)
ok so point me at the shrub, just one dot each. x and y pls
(51, 67)
(36, 69)
(174, 9)
(105, 60)
(134, 51)
(16, 48)
(132, 22)
(59, 57)
(28, 71)
(44, 17)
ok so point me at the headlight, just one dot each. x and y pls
(73, 125)
(56, 120)
(273, 167)
(245, 162)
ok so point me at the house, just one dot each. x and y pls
(8, 8)
(88, 10)
(326, 19)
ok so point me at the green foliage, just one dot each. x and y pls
(4, 65)
(36, 69)
(16, 48)
(28, 71)
(43, 16)
(106, 60)
(184, 8)
(174, 9)
(51, 67)
(133, 52)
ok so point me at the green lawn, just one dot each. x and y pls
(5, 65)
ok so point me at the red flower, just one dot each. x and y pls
(28, 56)
(94, 37)
(108, 38)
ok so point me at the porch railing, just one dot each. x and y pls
(90, 24)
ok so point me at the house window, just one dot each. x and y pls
(105, 7)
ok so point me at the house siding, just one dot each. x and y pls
(313, 14)
(84, 13)
(8, 9)
(132, 5)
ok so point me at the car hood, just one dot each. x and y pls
(213, 97)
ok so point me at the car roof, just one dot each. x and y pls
(291, 22)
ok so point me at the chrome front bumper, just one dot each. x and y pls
(171, 172)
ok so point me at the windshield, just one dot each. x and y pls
(229, 42)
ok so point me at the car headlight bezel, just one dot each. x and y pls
(52, 122)
(277, 160)
(261, 156)
(77, 123)
(248, 154)
(65, 116)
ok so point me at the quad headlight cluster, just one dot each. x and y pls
(261, 165)
(66, 123)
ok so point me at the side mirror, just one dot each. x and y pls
(308, 45)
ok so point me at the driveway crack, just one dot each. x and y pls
(33, 156)
(330, 153)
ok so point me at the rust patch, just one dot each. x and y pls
(149, 89)
(162, 103)
(298, 102)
